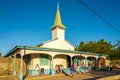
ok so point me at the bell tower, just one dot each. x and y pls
(58, 29)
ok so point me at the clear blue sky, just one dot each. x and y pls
(28, 22)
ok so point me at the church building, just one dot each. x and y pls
(57, 51)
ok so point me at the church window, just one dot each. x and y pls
(44, 59)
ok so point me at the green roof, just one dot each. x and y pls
(50, 49)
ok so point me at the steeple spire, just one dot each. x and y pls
(58, 21)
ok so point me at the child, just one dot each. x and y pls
(78, 69)
(72, 70)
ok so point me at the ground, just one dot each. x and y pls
(94, 75)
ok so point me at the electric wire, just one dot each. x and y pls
(101, 17)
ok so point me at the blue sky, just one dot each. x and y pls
(28, 22)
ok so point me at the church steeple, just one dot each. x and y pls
(58, 29)
(58, 21)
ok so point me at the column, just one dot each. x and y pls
(105, 61)
(71, 61)
(21, 66)
(96, 64)
(86, 64)
(14, 65)
(52, 70)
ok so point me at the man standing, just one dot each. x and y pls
(38, 69)
(111, 66)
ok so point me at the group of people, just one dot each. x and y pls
(78, 68)
(107, 68)
(40, 70)
(75, 68)
(58, 68)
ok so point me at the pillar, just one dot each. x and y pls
(14, 65)
(71, 61)
(96, 64)
(105, 61)
(21, 66)
(86, 62)
(52, 69)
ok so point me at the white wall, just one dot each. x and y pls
(58, 44)
(36, 60)
(58, 33)
(60, 59)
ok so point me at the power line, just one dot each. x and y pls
(110, 24)
(106, 5)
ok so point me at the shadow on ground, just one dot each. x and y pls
(102, 74)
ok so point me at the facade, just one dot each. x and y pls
(57, 51)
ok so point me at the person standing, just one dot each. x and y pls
(75, 66)
(56, 68)
(78, 69)
(111, 66)
(72, 70)
(38, 69)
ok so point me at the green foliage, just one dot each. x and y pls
(115, 55)
(81, 46)
(101, 47)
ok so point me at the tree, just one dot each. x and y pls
(80, 47)
(101, 47)
(115, 53)
(104, 46)
(91, 46)
(118, 45)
